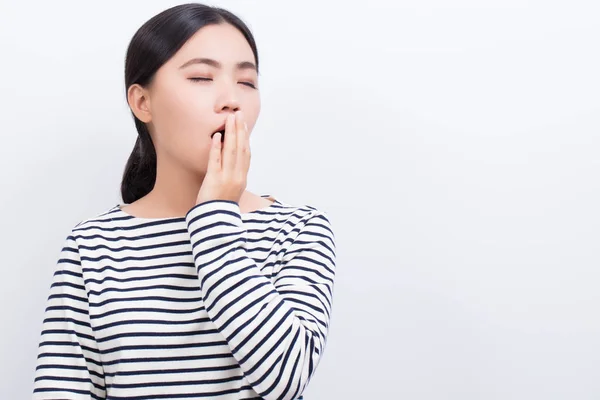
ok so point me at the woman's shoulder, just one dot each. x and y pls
(301, 210)
(305, 216)
(109, 215)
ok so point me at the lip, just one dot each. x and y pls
(221, 128)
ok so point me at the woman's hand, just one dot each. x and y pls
(228, 163)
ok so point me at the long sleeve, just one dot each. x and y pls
(68, 363)
(276, 327)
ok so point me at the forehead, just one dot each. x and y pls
(222, 42)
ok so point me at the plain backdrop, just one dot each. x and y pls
(454, 144)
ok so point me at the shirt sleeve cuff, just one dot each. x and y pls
(213, 217)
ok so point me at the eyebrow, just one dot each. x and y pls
(216, 64)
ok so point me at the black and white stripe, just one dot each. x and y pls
(216, 304)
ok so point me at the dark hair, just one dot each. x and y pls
(152, 45)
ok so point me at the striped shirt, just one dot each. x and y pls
(217, 304)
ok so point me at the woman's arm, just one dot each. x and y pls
(277, 329)
(68, 363)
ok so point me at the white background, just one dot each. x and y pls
(454, 144)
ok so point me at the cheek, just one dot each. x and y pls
(180, 121)
(190, 152)
(175, 112)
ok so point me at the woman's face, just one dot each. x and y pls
(211, 76)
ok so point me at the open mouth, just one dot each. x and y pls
(222, 131)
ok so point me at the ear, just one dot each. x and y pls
(139, 102)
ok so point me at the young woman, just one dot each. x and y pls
(194, 287)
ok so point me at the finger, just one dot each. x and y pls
(230, 144)
(241, 134)
(214, 155)
(243, 151)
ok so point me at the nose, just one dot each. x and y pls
(228, 100)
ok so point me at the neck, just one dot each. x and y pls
(176, 189)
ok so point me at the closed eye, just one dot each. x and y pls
(249, 84)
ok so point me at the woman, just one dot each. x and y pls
(194, 287)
